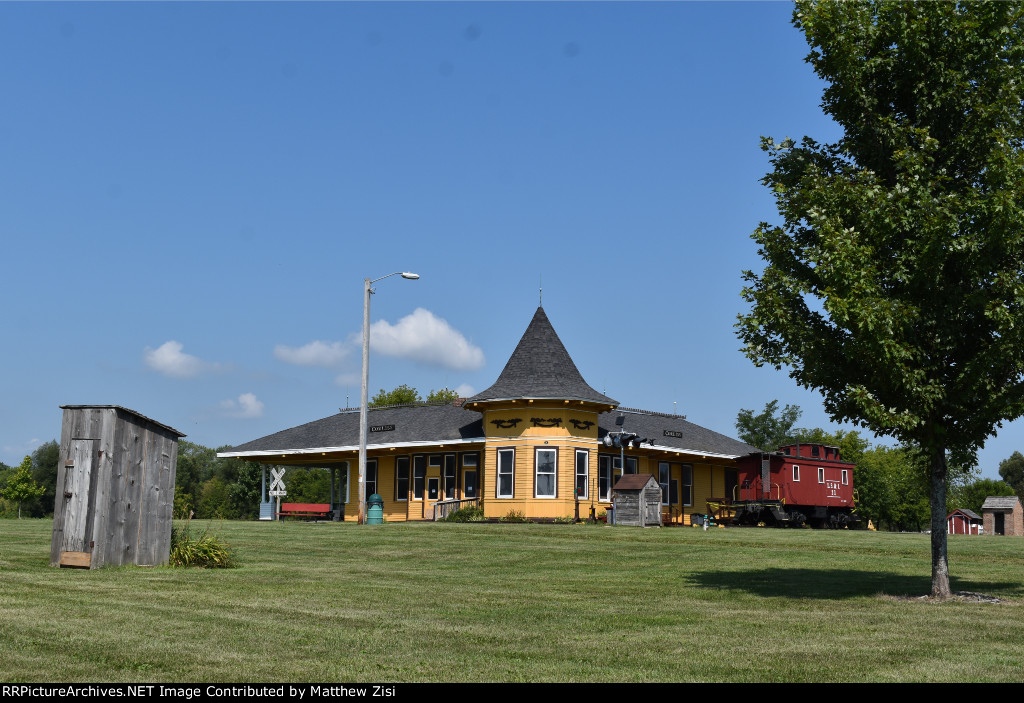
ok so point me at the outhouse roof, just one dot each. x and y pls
(127, 410)
(634, 482)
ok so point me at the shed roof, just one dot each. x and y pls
(540, 367)
(1000, 503)
(634, 482)
(964, 511)
(127, 410)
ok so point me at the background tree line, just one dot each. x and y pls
(892, 483)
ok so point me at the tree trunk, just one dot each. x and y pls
(940, 564)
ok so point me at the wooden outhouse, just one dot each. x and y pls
(637, 500)
(1003, 516)
(115, 488)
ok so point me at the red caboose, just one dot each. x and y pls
(800, 483)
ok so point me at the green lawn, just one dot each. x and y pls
(482, 602)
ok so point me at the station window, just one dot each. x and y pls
(582, 474)
(546, 476)
(449, 476)
(371, 477)
(419, 476)
(469, 474)
(506, 469)
(604, 477)
(402, 478)
(687, 472)
(663, 480)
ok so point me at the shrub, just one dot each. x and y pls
(471, 513)
(514, 516)
(206, 550)
(566, 520)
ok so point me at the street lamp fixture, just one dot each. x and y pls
(367, 292)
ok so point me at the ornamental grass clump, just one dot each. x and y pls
(206, 550)
(471, 513)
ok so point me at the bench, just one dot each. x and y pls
(305, 510)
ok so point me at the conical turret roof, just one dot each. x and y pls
(541, 368)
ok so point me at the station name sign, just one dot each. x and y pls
(673, 433)
(381, 428)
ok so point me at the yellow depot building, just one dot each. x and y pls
(535, 442)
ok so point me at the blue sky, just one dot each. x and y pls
(191, 195)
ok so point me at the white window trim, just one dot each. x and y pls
(666, 488)
(607, 461)
(796, 473)
(846, 480)
(536, 473)
(821, 475)
(497, 471)
(586, 473)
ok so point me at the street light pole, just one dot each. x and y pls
(367, 292)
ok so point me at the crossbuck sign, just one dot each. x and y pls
(277, 485)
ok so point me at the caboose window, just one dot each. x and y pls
(796, 472)
(821, 475)
(814, 450)
(845, 478)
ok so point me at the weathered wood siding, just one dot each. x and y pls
(117, 471)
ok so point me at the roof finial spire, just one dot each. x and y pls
(540, 291)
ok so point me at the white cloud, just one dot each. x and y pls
(349, 379)
(426, 338)
(246, 406)
(313, 354)
(465, 390)
(169, 360)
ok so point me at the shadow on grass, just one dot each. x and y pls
(831, 583)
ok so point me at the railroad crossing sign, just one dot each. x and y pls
(278, 483)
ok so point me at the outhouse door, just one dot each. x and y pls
(77, 481)
(653, 511)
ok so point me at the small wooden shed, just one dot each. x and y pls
(637, 500)
(1003, 516)
(963, 522)
(115, 488)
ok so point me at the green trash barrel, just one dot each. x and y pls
(375, 510)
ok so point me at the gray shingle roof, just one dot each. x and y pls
(1000, 503)
(427, 424)
(439, 424)
(673, 432)
(540, 367)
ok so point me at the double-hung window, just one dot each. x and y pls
(687, 476)
(371, 477)
(546, 473)
(506, 472)
(402, 478)
(821, 475)
(604, 477)
(663, 480)
(796, 473)
(449, 476)
(582, 474)
(419, 476)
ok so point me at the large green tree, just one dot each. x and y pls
(895, 283)
(1012, 471)
(770, 428)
